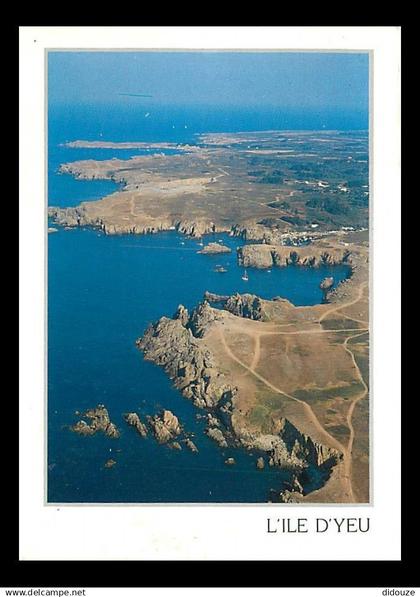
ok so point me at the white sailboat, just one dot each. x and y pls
(245, 276)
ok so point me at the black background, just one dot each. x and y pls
(373, 573)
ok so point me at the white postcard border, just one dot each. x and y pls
(210, 532)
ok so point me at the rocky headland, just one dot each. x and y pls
(179, 345)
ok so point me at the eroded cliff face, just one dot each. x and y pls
(266, 256)
(287, 447)
(251, 306)
(246, 305)
(175, 345)
(122, 221)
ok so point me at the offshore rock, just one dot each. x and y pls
(165, 426)
(214, 249)
(191, 445)
(175, 446)
(218, 436)
(171, 422)
(99, 421)
(134, 420)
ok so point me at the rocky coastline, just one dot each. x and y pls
(265, 256)
(87, 216)
(178, 345)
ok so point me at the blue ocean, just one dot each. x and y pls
(103, 291)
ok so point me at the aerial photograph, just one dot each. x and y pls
(208, 277)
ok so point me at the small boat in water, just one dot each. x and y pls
(245, 276)
(220, 269)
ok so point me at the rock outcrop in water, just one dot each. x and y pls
(191, 445)
(134, 421)
(99, 421)
(214, 249)
(165, 427)
(260, 463)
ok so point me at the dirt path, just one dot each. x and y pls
(354, 319)
(348, 463)
(345, 450)
(331, 440)
(343, 306)
(299, 332)
(257, 352)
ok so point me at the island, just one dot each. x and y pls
(288, 382)
(214, 249)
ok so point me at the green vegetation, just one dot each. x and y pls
(340, 324)
(321, 395)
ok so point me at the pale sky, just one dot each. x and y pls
(286, 80)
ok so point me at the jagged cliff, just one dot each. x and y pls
(179, 345)
(267, 256)
(89, 214)
(175, 345)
